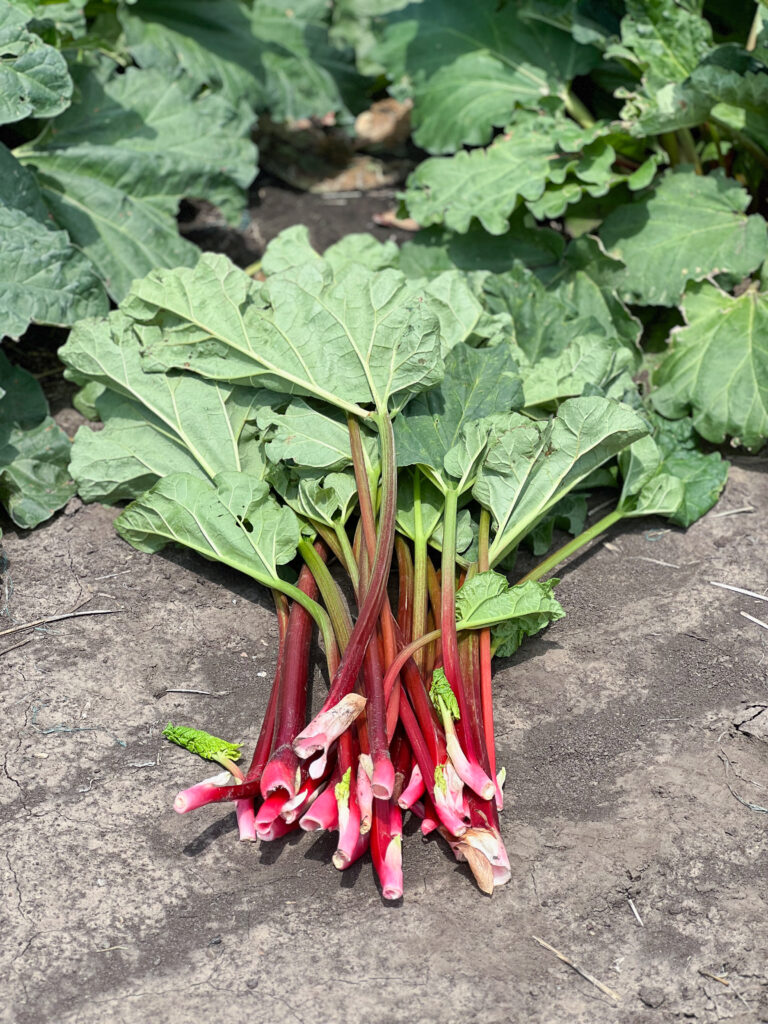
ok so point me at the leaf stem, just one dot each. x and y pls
(576, 109)
(551, 563)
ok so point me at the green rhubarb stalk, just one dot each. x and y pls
(551, 563)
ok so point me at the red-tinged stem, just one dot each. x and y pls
(427, 765)
(383, 779)
(277, 830)
(405, 655)
(486, 692)
(282, 769)
(342, 862)
(313, 739)
(365, 504)
(364, 787)
(386, 847)
(349, 829)
(266, 735)
(420, 560)
(246, 820)
(405, 587)
(414, 790)
(401, 759)
(268, 813)
(324, 813)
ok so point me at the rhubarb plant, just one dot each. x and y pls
(342, 419)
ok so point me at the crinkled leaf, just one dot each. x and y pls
(487, 599)
(155, 424)
(689, 228)
(588, 280)
(507, 636)
(717, 366)
(277, 56)
(34, 450)
(533, 465)
(490, 183)
(448, 295)
(590, 363)
(304, 435)
(119, 161)
(470, 66)
(664, 38)
(477, 383)
(233, 521)
(434, 250)
(34, 78)
(668, 475)
(211, 42)
(43, 278)
(360, 337)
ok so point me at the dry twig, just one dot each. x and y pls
(579, 970)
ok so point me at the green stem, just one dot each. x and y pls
(577, 110)
(669, 141)
(754, 31)
(334, 602)
(688, 149)
(347, 554)
(364, 498)
(551, 563)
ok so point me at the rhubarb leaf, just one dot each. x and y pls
(154, 424)
(477, 384)
(531, 466)
(507, 636)
(359, 337)
(233, 521)
(44, 279)
(434, 250)
(487, 600)
(440, 693)
(471, 66)
(518, 166)
(120, 160)
(34, 451)
(34, 78)
(688, 228)
(717, 366)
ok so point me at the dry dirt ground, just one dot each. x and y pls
(635, 818)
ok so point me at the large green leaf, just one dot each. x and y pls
(533, 465)
(477, 384)
(588, 280)
(717, 366)
(359, 337)
(233, 521)
(447, 294)
(591, 364)
(277, 56)
(43, 278)
(114, 167)
(434, 250)
(34, 451)
(688, 228)
(210, 40)
(664, 39)
(471, 65)
(489, 184)
(154, 424)
(34, 78)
